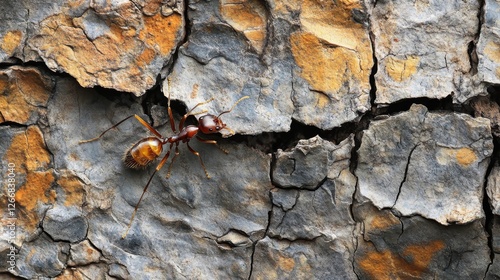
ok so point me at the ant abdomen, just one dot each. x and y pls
(143, 153)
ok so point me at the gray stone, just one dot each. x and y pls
(83, 253)
(263, 51)
(311, 162)
(420, 249)
(65, 224)
(422, 48)
(282, 259)
(493, 189)
(488, 44)
(430, 164)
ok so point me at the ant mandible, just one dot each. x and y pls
(146, 150)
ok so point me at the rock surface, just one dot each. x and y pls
(425, 163)
(332, 173)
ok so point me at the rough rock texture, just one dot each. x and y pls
(334, 171)
(264, 51)
(119, 44)
(428, 164)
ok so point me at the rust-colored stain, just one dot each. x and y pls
(286, 264)
(340, 46)
(73, 190)
(11, 41)
(466, 156)
(389, 265)
(161, 31)
(383, 221)
(27, 150)
(22, 92)
(248, 17)
(401, 69)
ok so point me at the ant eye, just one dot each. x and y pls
(217, 127)
(202, 117)
(210, 129)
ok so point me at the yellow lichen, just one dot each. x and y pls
(401, 69)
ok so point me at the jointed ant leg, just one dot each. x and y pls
(173, 159)
(160, 165)
(201, 161)
(143, 122)
(207, 141)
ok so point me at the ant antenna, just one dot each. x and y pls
(241, 99)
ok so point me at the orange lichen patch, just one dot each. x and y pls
(492, 50)
(37, 189)
(73, 190)
(401, 69)
(465, 156)
(10, 41)
(340, 46)
(327, 72)
(248, 17)
(146, 57)
(28, 150)
(389, 265)
(286, 264)
(22, 92)
(383, 221)
(162, 32)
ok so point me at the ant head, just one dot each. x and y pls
(210, 124)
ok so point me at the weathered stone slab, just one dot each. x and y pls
(422, 48)
(416, 248)
(120, 44)
(430, 164)
(264, 51)
(488, 46)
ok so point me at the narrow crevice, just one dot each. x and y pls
(489, 216)
(405, 175)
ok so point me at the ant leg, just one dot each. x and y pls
(201, 161)
(143, 122)
(207, 141)
(173, 159)
(181, 123)
(160, 165)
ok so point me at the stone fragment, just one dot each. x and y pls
(65, 224)
(422, 48)
(243, 48)
(488, 46)
(282, 259)
(430, 164)
(93, 271)
(117, 45)
(417, 248)
(24, 92)
(83, 253)
(310, 163)
(42, 257)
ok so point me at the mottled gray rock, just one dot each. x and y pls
(83, 253)
(321, 215)
(310, 163)
(263, 51)
(422, 48)
(65, 224)
(494, 268)
(488, 45)
(417, 248)
(321, 258)
(187, 213)
(42, 258)
(430, 164)
(119, 44)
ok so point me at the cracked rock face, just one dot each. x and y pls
(424, 163)
(331, 173)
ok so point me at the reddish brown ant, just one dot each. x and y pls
(148, 149)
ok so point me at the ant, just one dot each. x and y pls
(146, 150)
